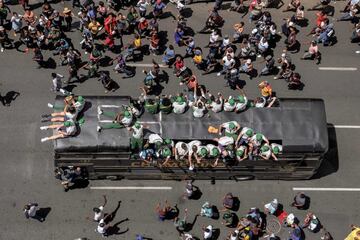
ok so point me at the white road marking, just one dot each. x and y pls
(326, 189)
(338, 68)
(131, 188)
(346, 126)
(145, 65)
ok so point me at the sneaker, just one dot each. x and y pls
(191, 168)
(45, 120)
(44, 139)
(45, 115)
(275, 78)
(44, 127)
(98, 128)
(218, 74)
(357, 52)
(50, 105)
(259, 56)
(2, 49)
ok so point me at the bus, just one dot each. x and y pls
(299, 125)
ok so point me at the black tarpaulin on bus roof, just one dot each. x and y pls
(300, 124)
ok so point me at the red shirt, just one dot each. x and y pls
(179, 64)
(109, 24)
(320, 18)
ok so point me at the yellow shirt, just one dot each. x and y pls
(354, 235)
(197, 59)
(137, 42)
(265, 91)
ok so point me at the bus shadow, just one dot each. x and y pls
(331, 162)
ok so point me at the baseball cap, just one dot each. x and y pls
(276, 150)
(215, 152)
(259, 136)
(264, 148)
(231, 101)
(166, 152)
(167, 141)
(239, 152)
(203, 152)
(249, 132)
(241, 99)
(67, 124)
(231, 125)
(137, 125)
(80, 98)
(127, 114)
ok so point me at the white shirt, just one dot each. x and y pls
(256, 142)
(226, 126)
(208, 235)
(179, 108)
(127, 120)
(193, 143)
(266, 154)
(217, 107)
(228, 62)
(153, 138)
(243, 133)
(99, 229)
(225, 141)
(214, 37)
(79, 106)
(228, 107)
(198, 112)
(137, 132)
(142, 5)
(180, 151)
(98, 216)
(57, 81)
(210, 147)
(71, 130)
(241, 106)
(32, 211)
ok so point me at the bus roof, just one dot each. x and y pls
(299, 124)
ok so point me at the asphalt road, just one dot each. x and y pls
(27, 168)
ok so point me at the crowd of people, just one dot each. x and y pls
(102, 26)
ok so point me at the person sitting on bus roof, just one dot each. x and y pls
(193, 146)
(198, 109)
(156, 140)
(201, 153)
(256, 141)
(230, 104)
(245, 134)
(276, 149)
(181, 149)
(215, 104)
(121, 120)
(147, 154)
(150, 105)
(164, 153)
(136, 107)
(65, 129)
(214, 153)
(241, 153)
(265, 151)
(179, 105)
(69, 114)
(224, 142)
(77, 102)
(165, 104)
(230, 128)
(242, 102)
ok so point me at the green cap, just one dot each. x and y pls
(249, 132)
(259, 136)
(241, 99)
(167, 141)
(81, 121)
(231, 101)
(137, 125)
(127, 114)
(203, 152)
(276, 150)
(264, 148)
(67, 124)
(232, 125)
(80, 99)
(239, 152)
(180, 100)
(166, 152)
(215, 152)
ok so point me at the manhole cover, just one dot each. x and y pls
(273, 226)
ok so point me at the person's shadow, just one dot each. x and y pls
(115, 230)
(42, 213)
(9, 97)
(113, 214)
(189, 226)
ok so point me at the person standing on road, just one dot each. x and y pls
(98, 211)
(56, 81)
(30, 211)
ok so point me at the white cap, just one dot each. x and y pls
(291, 24)
(283, 55)
(248, 61)
(254, 31)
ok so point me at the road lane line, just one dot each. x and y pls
(338, 68)
(145, 65)
(345, 126)
(131, 188)
(326, 189)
